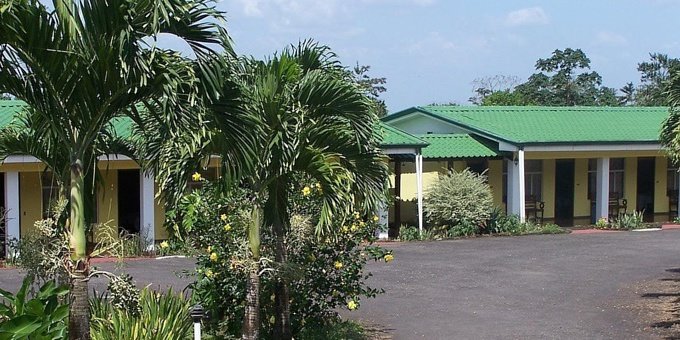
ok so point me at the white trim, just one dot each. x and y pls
(399, 151)
(114, 157)
(602, 189)
(504, 146)
(12, 223)
(20, 159)
(147, 216)
(595, 147)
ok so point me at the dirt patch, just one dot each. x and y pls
(657, 305)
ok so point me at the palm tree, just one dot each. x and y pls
(310, 118)
(83, 64)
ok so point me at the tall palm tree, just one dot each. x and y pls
(81, 64)
(670, 130)
(311, 119)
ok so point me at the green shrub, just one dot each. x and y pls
(500, 223)
(408, 233)
(458, 197)
(337, 330)
(634, 220)
(463, 229)
(324, 272)
(164, 315)
(45, 316)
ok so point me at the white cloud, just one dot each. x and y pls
(609, 38)
(431, 44)
(527, 16)
(251, 7)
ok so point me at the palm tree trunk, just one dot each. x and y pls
(277, 213)
(79, 313)
(251, 319)
(282, 328)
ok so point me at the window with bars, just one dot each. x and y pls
(533, 178)
(616, 178)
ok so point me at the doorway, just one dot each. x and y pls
(645, 187)
(564, 192)
(128, 201)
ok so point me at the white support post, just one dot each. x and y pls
(602, 191)
(516, 187)
(419, 184)
(522, 186)
(147, 221)
(12, 222)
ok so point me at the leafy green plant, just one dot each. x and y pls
(458, 197)
(164, 315)
(408, 233)
(602, 223)
(463, 229)
(634, 220)
(45, 316)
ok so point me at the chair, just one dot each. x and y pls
(534, 208)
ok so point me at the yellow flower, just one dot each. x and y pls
(352, 305)
(345, 229)
(338, 265)
(376, 218)
(389, 257)
(213, 257)
(318, 186)
(209, 249)
(354, 227)
(227, 227)
(223, 217)
(196, 177)
(306, 191)
(356, 215)
(362, 224)
(165, 244)
(208, 273)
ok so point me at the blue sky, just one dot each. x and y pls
(431, 50)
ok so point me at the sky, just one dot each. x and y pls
(430, 51)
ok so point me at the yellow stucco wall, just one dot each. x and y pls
(581, 202)
(630, 182)
(661, 185)
(495, 175)
(107, 204)
(30, 200)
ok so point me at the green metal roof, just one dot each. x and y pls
(458, 146)
(393, 137)
(11, 108)
(552, 125)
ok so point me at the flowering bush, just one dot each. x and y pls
(325, 272)
(458, 198)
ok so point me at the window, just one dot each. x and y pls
(477, 166)
(50, 192)
(533, 177)
(616, 178)
(672, 182)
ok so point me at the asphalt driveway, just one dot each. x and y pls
(532, 287)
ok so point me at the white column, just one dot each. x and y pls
(522, 186)
(147, 212)
(12, 223)
(602, 189)
(419, 183)
(516, 187)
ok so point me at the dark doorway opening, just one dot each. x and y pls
(645, 187)
(564, 192)
(128, 201)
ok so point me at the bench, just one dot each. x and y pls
(617, 206)
(534, 209)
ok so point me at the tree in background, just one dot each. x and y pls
(628, 94)
(372, 86)
(670, 130)
(487, 86)
(565, 79)
(654, 78)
